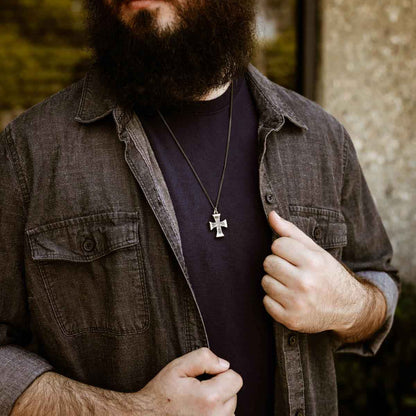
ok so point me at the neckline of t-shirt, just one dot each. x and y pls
(210, 107)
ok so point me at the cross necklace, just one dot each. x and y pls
(218, 225)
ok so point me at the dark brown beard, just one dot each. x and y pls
(212, 43)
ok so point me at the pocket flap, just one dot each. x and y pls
(84, 239)
(326, 227)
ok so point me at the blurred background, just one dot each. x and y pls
(355, 58)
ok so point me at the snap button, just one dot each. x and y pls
(270, 198)
(88, 244)
(292, 340)
(317, 232)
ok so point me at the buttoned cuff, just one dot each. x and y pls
(18, 369)
(390, 290)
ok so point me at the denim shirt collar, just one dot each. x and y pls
(96, 102)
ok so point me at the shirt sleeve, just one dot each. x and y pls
(18, 365)
(368, 252)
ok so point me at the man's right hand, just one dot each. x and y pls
(175, 390)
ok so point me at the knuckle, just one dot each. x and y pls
(277, 244)
(236, 376)
(205, 353)
(316, 261)
(235, 380)
(270, 307)
(265, 281)
(306, 284)
(240, 381)
(212, 398)
(269, 304)
(267, 263)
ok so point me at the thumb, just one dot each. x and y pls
(286, 228)
(200, 361)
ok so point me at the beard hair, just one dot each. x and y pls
(143, 66)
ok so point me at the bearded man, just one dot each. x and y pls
(180, 235)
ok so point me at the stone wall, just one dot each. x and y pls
(367, 79)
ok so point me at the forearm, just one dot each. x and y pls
(53, 394)
(369, 316)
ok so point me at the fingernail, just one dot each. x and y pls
(224, 363)
(277, 215)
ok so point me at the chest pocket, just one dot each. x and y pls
(93, 272)
(326, 227)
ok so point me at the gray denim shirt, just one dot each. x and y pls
(93, 282)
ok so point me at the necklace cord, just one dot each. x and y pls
(228, 144)
(226, 152)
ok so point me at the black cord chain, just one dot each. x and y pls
(226, 152)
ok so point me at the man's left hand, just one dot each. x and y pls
(307, 289)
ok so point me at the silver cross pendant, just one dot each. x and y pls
(218, 224)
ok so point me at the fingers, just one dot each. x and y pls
(280, 269)
(275, 309)
(276, 290)
(291, 250)
(227, 384)
(288, 229)
(199, 361)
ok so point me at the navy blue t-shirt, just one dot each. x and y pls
(225, 272)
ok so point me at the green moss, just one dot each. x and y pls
(41, 49)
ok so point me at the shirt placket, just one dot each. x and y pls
(289, 378)
(145, 169)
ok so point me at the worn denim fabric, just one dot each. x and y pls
(93, 282)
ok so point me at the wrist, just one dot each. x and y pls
(143, 401)
(353, 313)
(371, 314)
(52, 393)
(352, 317)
